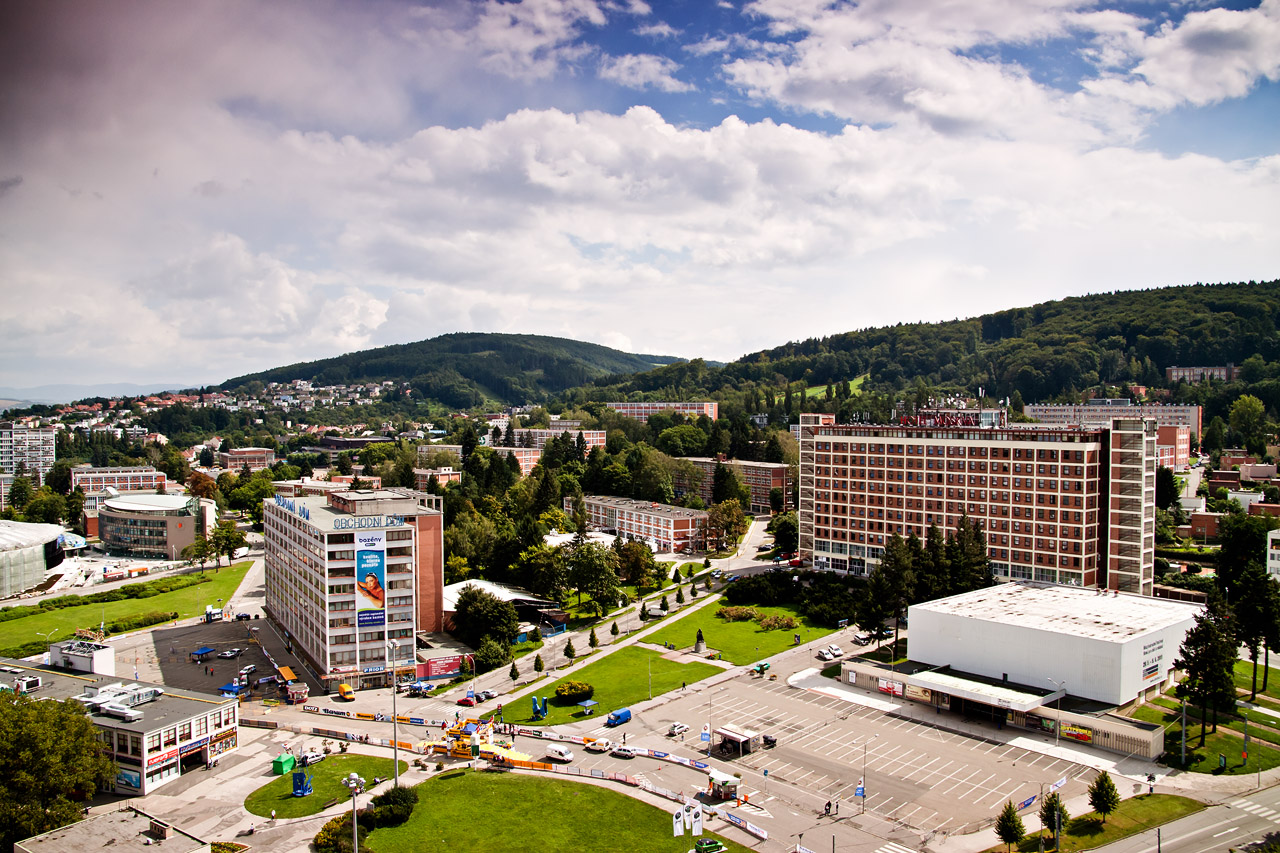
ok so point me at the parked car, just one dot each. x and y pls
(862, 639)
(243, 617)
(770, 741)
(621, 751)
(602, 744)
(345, 691)
(796, 562)
(312, 756)
(715, 573)
(468, 701)
(485, 695)
(732, 578)
(677, 729)
(824, 654)
(559, 752)
(835, 650)
(245, 670)
(231, 653)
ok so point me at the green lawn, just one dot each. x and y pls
(739, 642)
(506, 813)
(1204, 759)
(1135, 815)
(519, 650)
(326, 783)
(1226, 721)
(1244, 679)
(884, 654)
(855, 387)
(186, 602)
(620, 680)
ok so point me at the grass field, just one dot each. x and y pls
(1225, 721)
(739, 642)
(855, 386)
(1204, 759)
(63, 622)
(620, 680)
(326, 783)
(1135, 815)
(505, 813)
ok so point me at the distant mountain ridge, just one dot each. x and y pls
(465, 369)
(66, 393)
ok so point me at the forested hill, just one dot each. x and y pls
(1045, 352)
(465, 369)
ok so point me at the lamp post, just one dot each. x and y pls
(395, 729)
(354, 784)
(864, 772)
(46, 635)
(1057, 728)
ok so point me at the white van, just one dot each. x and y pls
(559, 751)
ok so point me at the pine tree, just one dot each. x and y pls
(514, 672)
(1053, 815)
(1009, 828)
(569, 651)
(592, 641)
(664, 604)
(538, 665)
(679, 595)
(1103, 795)
(693, 590)
(614, 630)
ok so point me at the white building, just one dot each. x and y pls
(28, 448)
(350, 571)
(1106, 647)
(1273, 553)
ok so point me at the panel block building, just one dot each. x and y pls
(26, 448)
(641, 411)
(667, 528)
(760, 477)
(1059, 505)
(1101, 412)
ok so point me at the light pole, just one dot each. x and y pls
(864, 772)
(354, 784)
(47, 634)
(1057, 727)
(395, 729)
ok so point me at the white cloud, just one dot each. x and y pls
(643, 70)
(659, 30)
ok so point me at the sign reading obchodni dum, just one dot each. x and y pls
(371, 578)
(362, 522)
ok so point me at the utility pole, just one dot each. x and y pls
(1184, 732)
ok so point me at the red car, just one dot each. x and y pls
(469, 701)
(796, 562)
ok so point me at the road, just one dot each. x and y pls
(1218, 829)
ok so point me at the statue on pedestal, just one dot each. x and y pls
(700, 645)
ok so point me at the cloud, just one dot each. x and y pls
(659, 30)
(643, 70)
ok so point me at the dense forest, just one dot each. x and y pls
(464, 370)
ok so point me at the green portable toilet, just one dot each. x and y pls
(282, 764)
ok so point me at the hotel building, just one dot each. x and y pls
(1060, 505)
(641, 411)
(349, 572)
(759, 477)
(1100, 412)
(668, 528)
(28, 448)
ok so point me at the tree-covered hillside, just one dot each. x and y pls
(466, 369)
(1046, 352)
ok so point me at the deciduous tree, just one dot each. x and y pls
(1103, 796)
(1009, 828)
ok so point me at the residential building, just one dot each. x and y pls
(1173, 446)
(149, 524)
(1273, 553)
(539, 437)
(1100, 413)
(26, 449)
(256, 458)
(95, 482)
(1060, 505)
(155, 733)
(527, 457)
(427, 451)
(349, 572)
(641, 411)
(760, 477)
(1196, 375)
(665, 528)
(447, 474)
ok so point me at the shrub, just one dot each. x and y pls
(335, 836)
(738, 614)
(536, 636)
(679, 595)
(614, 629)
(591, 640)
(569, 651)
(391, 808)
(575, 691)
(777, 622)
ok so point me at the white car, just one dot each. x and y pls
(835, 650)
(677, 729)
(825, 654)
(310, 757)
(599, 745)
(246, 670)
(621, 751)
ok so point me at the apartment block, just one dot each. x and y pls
(350, 572)
(760, 477)
(26, 448)
(1196, 375)
(1173, 444)
(1273, 553)
(667, 528)
(256, 458)
(94, 482)
(526, 456)
(641, 411)
(1060, 505)
(1099, 413)
(539, 437)
(447, 474)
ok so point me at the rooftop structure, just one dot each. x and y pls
(124, 831)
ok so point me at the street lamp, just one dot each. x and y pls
(1057, 728)
(46, 635)
(864, 772)
(355, 785)
(395, 730)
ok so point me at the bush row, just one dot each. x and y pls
(120, 626)
(147, 589)
(388, 809)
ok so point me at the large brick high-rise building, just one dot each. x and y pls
(1062, 505)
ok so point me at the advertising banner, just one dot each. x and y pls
(441, 667)
(894, 688)
(920, 694)
(371, 578)
(129, 779)
(1079, 733)
(677, 823)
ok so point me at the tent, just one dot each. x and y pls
(282, 763)
(202, 654)
(588, 706)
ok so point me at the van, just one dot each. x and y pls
(345, 691)
(618, 717)
(559, 752)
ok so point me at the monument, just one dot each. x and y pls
(699, 645)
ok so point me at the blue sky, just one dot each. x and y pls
(192, 191)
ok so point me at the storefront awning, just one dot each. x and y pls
(730, 734)
(996, 696)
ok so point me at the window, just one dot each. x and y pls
(184, 732)
(170, 737)
(153, 742)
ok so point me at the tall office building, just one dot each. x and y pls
(348, 572)
(1061, 505)
(29, 449)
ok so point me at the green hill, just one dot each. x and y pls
(466, 369)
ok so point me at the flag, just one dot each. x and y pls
(1027, 802)
(860, 791)
(1056, 785)
(677, 823)
(688, 818)
(697, 820)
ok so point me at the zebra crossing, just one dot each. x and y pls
(1257, 810)
(894, 847)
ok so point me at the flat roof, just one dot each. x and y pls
(174, 706)
(988, 694)
(126, 829)
(20, 534)
(645, 506)
(1065, 610)
(134, 502)
(502, 592)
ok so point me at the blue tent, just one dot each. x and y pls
(588, 706)
(200, 653)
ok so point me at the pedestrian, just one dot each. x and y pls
(837, 807)
(273, 814)
(683, 685)
(827, 808)
(624, 737)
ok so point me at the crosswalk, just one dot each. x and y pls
(1257, 810)
(894, 847)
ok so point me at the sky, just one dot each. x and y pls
(192, 191)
